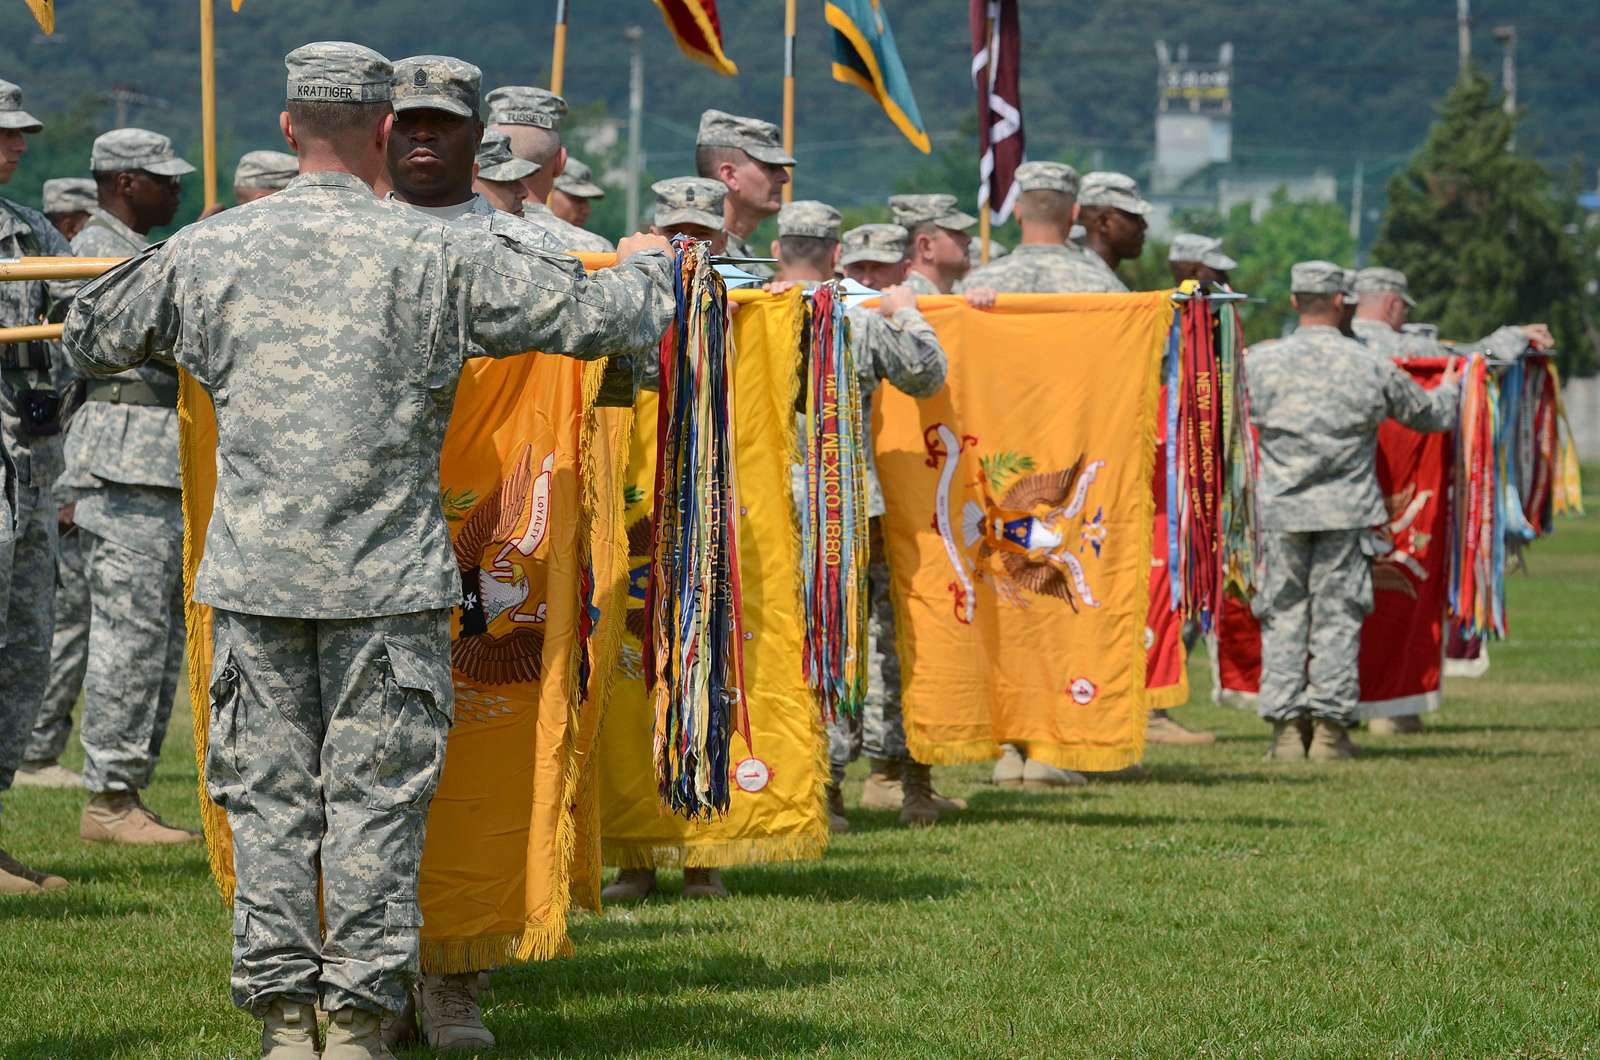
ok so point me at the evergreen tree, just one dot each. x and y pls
(1477, 230)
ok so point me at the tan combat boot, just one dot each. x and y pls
(1330, 742)
(119, 817)
(1287, 744)
(918, 809)
(289, 1031)
(1402, 725)
(882, 788)
(838, 823)
(703, 883)
(451, 1018)
(1039, 776)
(631, 885)
(17, 883)
(946, 803)
(46, 775)
(1008, 770)
(1161, 728)
(15, 869)
(355, 1034)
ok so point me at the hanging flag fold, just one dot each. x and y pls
(698, 31)
(996, 65)
(864, 55)
(44, 12)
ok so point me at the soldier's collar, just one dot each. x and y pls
(11, 222)
(330, 179)
(103, 218)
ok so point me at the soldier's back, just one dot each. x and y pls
(1040, 268)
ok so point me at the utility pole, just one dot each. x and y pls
(1464, 34)
(634, 36)
(1507, 36)
(1355, 206)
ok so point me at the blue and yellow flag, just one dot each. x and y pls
(864, 55)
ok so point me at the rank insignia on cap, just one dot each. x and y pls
(419, 78)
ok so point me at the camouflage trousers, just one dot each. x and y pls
(1316, 592)
(135, 665)
(327, 739)
(879, 729)
(25, 623)
(69, 654)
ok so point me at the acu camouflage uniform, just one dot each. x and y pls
(122, 472)
(912, 211)
(904, 351)
(1503, 344)
(1046, 268)
(1317, 399)
(330, 328)
(30, 465)
(542, 109)
(762, 141)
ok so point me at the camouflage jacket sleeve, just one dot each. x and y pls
(127, 316)
(1503, 344)
(519, 299)
(1419, 409)
(902, 349)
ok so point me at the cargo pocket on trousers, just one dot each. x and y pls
(224, 784)
(402, 920)
(415, 725)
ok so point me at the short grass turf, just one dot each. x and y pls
(1440, 897)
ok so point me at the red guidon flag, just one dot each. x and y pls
(698, 31)
(1402, 641)
(996, 61)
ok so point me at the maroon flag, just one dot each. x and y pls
(996, 61)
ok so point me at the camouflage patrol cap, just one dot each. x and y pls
(1350, 295)
(1047, 176)
(496, 162)
(266, 169)
(1316, 277)
(758, 139)
(126, 149)
(336, 71)
(1378, 280)
(526, 105)
(577, 180)
(437, 82)
(12, 116)
(1104, 188)
(883, 243)
(1187, 246)
(913, 210)
(69, 195)
(689, 201)
(809, 217)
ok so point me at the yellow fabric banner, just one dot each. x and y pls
(1019, 529)
(500, 838)
(776, 813)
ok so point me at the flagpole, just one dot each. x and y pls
(208, 99)
(788, 91)
(558, 51)
(984, 207)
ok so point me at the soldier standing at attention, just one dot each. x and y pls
(30, 460)
(67, 202)
(341, 320)
(1317, 400)
(532, 118)
(124, 496)
(1113, 215)
(1199, 258)
(260, 173)
(572, 197)
(1386, 306)
(747, 155)
(502, 175)
(939, 240)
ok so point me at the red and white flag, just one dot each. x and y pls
(996, 61)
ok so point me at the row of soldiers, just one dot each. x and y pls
(332, 586)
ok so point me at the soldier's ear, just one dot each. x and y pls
(286, 126)
(773, 249)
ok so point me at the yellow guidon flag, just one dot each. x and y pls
(1019, 529)
(519, 498)
(44, 12)
(864, 55)
(776, 810)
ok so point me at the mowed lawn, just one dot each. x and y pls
(1440, 897)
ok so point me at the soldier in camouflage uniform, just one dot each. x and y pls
(1044, 262)
(1385, 308)
(30, 459)
(747, 155)
(260, 173)
(67, 202)
(329, 317)
(532, 118)
(1113, 215)
(572, 197)
(501, 179)
(122, 483)
(893, 343)
(1317, 400)
(1199, 258)
(939, 242)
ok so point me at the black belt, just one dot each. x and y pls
(133, 392)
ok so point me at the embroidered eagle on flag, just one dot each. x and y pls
(1037, 532)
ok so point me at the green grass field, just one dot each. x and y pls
(1440, 897)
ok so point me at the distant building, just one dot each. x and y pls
(1194, 115)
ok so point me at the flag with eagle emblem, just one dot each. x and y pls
(1019, 529)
